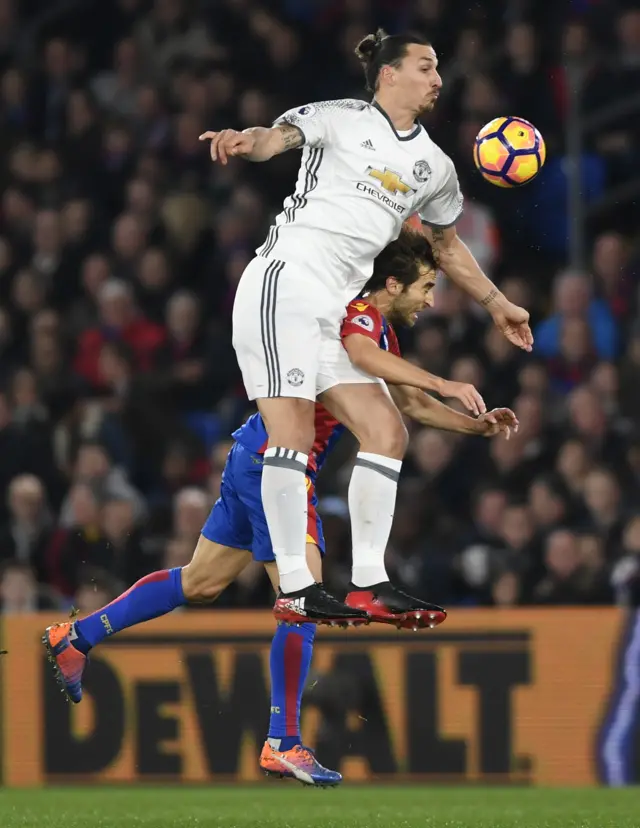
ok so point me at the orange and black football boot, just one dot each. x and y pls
(68, 663)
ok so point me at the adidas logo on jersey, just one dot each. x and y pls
(367, 145)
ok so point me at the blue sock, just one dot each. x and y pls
(290, 659)
(155, 594)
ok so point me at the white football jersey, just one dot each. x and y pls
(359, 180)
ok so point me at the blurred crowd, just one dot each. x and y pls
(121, 246)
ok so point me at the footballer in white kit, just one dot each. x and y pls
(366, 168)
(359, 180)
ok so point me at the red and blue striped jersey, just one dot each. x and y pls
(361, 318)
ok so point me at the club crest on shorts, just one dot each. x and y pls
(365, 322)
(295, 377)
(421, 171)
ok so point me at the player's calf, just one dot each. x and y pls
(211, 570)
(284, 754)
(69, 643)
(372, 417)
(290, 425)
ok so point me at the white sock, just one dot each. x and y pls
(372, 502)
(284, 499)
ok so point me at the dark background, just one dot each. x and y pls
(121, 246)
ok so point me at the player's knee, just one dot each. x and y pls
(395, 440)
(293, 436)
(290, 423)
(387, 436)
(199, 585)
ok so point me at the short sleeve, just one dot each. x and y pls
(318, 122)
(362, 318)
(315, 122)
(443, 208)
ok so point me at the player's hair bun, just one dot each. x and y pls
(369, 45)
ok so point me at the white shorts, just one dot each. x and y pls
(286, 333)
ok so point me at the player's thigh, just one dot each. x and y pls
(276, 331)
(314, 562)
(370, 414)
(213, 567)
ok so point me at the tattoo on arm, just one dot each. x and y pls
(488, 299)
(437, 237)
(292, 136)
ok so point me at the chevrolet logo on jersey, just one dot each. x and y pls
(390, 181)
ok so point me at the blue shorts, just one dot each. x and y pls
(237, 518)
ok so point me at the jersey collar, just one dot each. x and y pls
(409, 137)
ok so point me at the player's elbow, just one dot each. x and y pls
(420, 413)
(448, 253)
(452, 253)
(412, 401)
(444, 241)
(408, 408)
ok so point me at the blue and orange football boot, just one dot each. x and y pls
(68, 663)
(298, 763)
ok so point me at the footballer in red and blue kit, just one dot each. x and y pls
(236, 520)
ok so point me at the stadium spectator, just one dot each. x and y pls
(96, 588)
(27, 532)
(573, 299)
(20, 592)
(119, 320)
(569, 579)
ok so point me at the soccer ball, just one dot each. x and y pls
(509, 152)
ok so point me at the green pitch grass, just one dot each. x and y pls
(289, 806)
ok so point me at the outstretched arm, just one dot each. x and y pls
(365, 354)
(430, 412)
(456, 260)
(254, 144)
